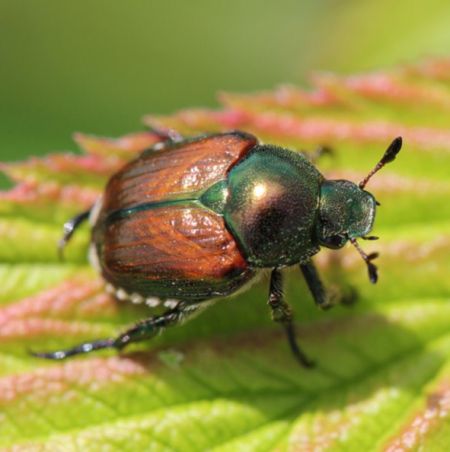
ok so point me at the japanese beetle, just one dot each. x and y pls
(190, 220)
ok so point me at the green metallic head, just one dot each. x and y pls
(345, 212)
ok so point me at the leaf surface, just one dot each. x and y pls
(226, 380)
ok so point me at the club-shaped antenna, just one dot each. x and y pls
(389, 156)
(368, 258)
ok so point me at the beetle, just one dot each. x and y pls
(192, 220)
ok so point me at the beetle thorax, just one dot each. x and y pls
(272, 206)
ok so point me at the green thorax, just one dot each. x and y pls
(272, 206)
(269, 201)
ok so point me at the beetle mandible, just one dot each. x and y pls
(191, 220)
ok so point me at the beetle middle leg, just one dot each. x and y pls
(323, 298)
(170, 135)
(146, 329)
(316, 154)
(282, 313)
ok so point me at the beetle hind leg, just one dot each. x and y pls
(80, 349)
(146, 329)
(282, 313)
(69, 229)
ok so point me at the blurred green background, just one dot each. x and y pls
(98, 66)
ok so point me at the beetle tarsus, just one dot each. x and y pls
(69, 229)
(143, 330)
(296, 350)
(282, 313)
(318, 153)
(348, 296)
(80, 349)
(167, 134)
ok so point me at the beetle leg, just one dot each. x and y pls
(80, 349)
(148, 328)
(282, 313)
(143, 330)
(319, 152)
(167, 134)
(315, 285)
(69, 229)
(323, 298)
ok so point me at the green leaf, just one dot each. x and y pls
(226, 380)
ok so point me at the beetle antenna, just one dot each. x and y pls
(371, 268)
(389, 156)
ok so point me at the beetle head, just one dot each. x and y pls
(347, 211)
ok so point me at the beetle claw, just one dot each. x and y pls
(372, 268)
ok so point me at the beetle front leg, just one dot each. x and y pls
(282, 313)
(143, 330)
(323, 298)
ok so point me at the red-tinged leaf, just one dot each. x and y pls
(429, 423)
(391, 88)
(226, 380)
(293, 128)
(38, 200)
(120, 148)
(90, 170)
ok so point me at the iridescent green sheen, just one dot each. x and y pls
(197, 220)
(272, 206)
(345, 211)
(215, 197)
